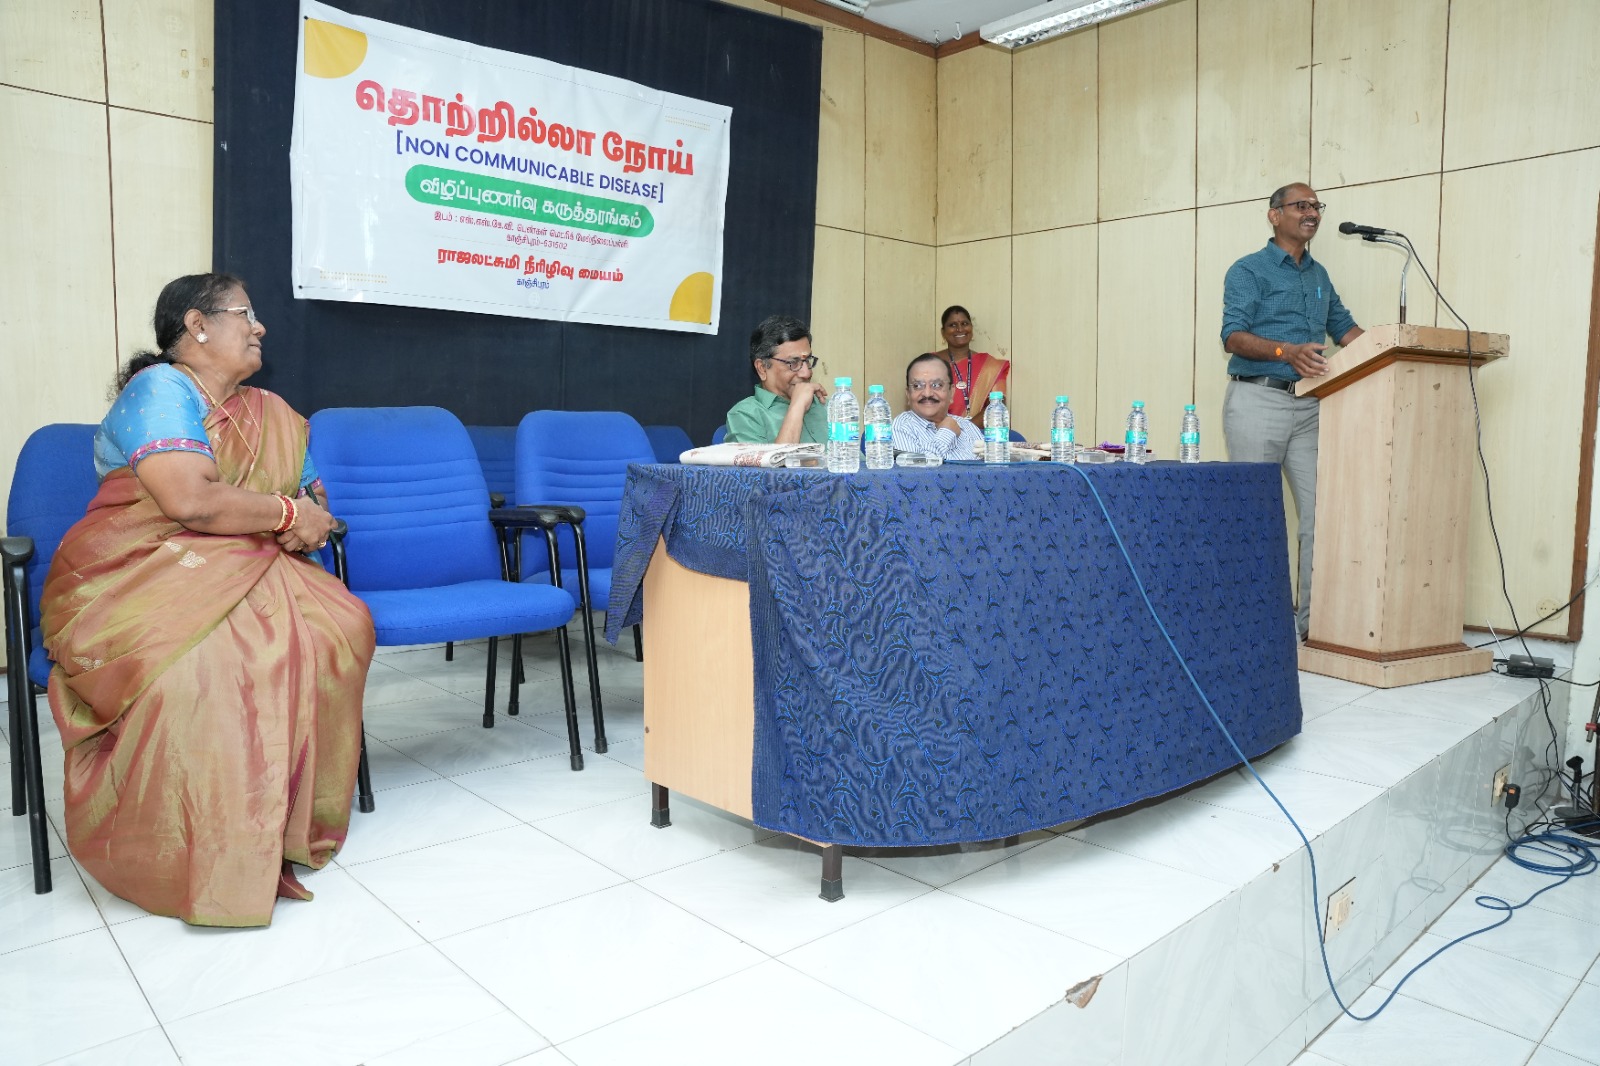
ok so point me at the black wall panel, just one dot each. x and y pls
(491, 369)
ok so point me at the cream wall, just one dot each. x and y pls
(1140, 157)
(107, 170)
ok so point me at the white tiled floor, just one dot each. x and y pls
(499, 908)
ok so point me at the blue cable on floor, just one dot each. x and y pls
(1583, 861)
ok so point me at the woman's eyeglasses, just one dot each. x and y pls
(248, 312)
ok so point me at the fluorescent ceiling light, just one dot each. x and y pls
(1055, 18)
(855, 7)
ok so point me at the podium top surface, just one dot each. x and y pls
(1382, 345)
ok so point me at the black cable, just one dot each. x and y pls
(1531, 625)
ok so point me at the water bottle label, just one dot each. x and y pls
(996, 434)
(844, 431)
(1061, 436)
(1139, 437)
(877, 434)
(1189, 438)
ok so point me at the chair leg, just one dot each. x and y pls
(364, 780)
(588, 644)
(488, 684)
(19, 788)
(638, 644)
(571, 698)
(38, 831)
(512, 706)
(449, 651)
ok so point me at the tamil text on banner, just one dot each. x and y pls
(435, 173)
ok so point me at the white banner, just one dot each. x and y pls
(434, 173)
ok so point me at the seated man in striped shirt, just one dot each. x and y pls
(927, 424)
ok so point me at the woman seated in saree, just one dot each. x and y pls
(208, 674)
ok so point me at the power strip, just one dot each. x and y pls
(1530, 666)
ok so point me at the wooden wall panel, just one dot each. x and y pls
(838, 280)
(1054, 133)
(160, 199)
(978, 277)
(842, 132)
(1377, 90)
(53, 47)
(902, 143)
(1513, 277)
(56, 300)
(757, 5)
(1253, 110)
(1367, 274)
(1054, 310)
(1549, 51)
(974, 146)
(1147, 111)
(899, 295)
(1146, 325)
(159, 56)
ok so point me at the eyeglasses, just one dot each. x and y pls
(249, 313)
(807, 361)
(1306, 205)
(927, 386)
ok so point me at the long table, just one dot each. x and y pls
(937, 656)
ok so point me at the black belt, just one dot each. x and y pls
(1269, 382)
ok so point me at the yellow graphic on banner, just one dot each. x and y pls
(692, 300)
(333, 51)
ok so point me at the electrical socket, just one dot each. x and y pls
(1497, 790)
(1341, 905)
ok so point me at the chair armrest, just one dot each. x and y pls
(336, 537)
(529, 516)
(497, 499)
(16, 549)
(569, 513)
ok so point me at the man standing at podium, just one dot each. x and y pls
(1279, 308)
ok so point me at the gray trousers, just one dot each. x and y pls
(1267, 425)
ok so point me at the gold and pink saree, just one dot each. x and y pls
(207, 688)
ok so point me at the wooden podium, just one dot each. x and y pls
(1395, 473)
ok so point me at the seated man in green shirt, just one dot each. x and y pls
(787, 407)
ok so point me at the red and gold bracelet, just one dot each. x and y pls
(286, 520)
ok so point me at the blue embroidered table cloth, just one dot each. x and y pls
(962, 654)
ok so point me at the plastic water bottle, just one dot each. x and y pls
(844, 429)
(1138, 436)
(1189, 439)
(879, 430)
(996, 430)
(1063, 447)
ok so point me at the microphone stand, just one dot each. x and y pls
(1398, 244)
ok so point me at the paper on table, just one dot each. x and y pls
(769, 455)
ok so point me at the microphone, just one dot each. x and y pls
(1366, 231)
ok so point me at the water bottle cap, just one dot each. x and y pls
(841, 383)
(1188, 407)
(997, 396)
(873, 389)
(1138, 403)
(1061, 399)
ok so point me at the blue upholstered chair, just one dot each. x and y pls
(719, 434)
(497, 455)
(50, 490)
(582, 458)
(668, 442)
(422, 547)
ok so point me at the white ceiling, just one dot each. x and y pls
(935, 21)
